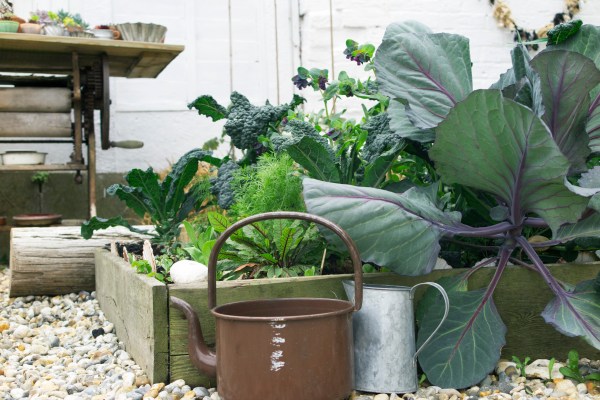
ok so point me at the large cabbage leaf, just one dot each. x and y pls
(566, 79)
(398, 231)
(587, 43)
(499, 146)
(577, 313)
(428, 73)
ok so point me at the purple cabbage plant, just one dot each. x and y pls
(525, 141)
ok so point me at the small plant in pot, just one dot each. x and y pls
(525, 145)
(33, 26)
(8, 23)
(40, 218)
(52, 24)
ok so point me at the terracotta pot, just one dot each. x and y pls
(31, 28)
(2, 220)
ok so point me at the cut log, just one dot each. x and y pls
(57, 260)
(41, 100)
(16, 124)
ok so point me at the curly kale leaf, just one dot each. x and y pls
(295, 130)
(246, 122)
(221, 185)
(381, 139)
(309, 149)
(208, 106)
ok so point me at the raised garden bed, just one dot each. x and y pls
(156, 335)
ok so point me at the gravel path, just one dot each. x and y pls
(62, 347)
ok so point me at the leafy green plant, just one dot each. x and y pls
(40, 178)
(268, 249)
(166, 202)
(551, 363)
(523, 144)
(247, 125)
(144, 267)
(272, 184)
(201, 243)
(521, 364)
(70, 20)
(334, 148)
(571, 370)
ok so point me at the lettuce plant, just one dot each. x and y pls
(525, 142)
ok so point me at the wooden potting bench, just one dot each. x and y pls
(55, 83)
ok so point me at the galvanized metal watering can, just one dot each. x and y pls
(385, 353)
(279, 349)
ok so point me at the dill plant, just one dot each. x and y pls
(272, 184)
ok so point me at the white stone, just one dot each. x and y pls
(17, 393)
(503, 364)
(39, 349)
(188, 271)
(582, 388)
(381, 396)
(440, 263)
(21, 331)
(450, 392)
(565, 386)
(128, 379)
(539, 369)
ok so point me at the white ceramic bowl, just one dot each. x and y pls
(103, 34)
(141, 32)
(23, 158)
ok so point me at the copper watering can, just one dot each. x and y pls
(281, 349)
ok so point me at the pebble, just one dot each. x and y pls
(62, 347)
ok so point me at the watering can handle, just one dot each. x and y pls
(446, 309)
(354, 255)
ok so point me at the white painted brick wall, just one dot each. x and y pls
(154, 110)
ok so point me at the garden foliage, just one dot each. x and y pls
(524, 143)
(166, 202)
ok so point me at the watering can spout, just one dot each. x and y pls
(202, 357)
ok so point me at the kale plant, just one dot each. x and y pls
(221, 184)
(524, 143)
(247, 125)
(166, 203)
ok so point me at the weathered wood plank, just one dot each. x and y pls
(29, 99)
(137, 306)
(31, 53)
(56, 260)
(19, 124)
(520, 298)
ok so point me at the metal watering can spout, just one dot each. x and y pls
(201, 356)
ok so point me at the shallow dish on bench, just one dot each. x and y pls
(36, 219)
(20, 157)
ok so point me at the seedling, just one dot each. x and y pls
(571, 370)
(521, 365)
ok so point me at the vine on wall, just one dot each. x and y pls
(503, 14)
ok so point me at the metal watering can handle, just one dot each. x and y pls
(446, 309)
(354, 255)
